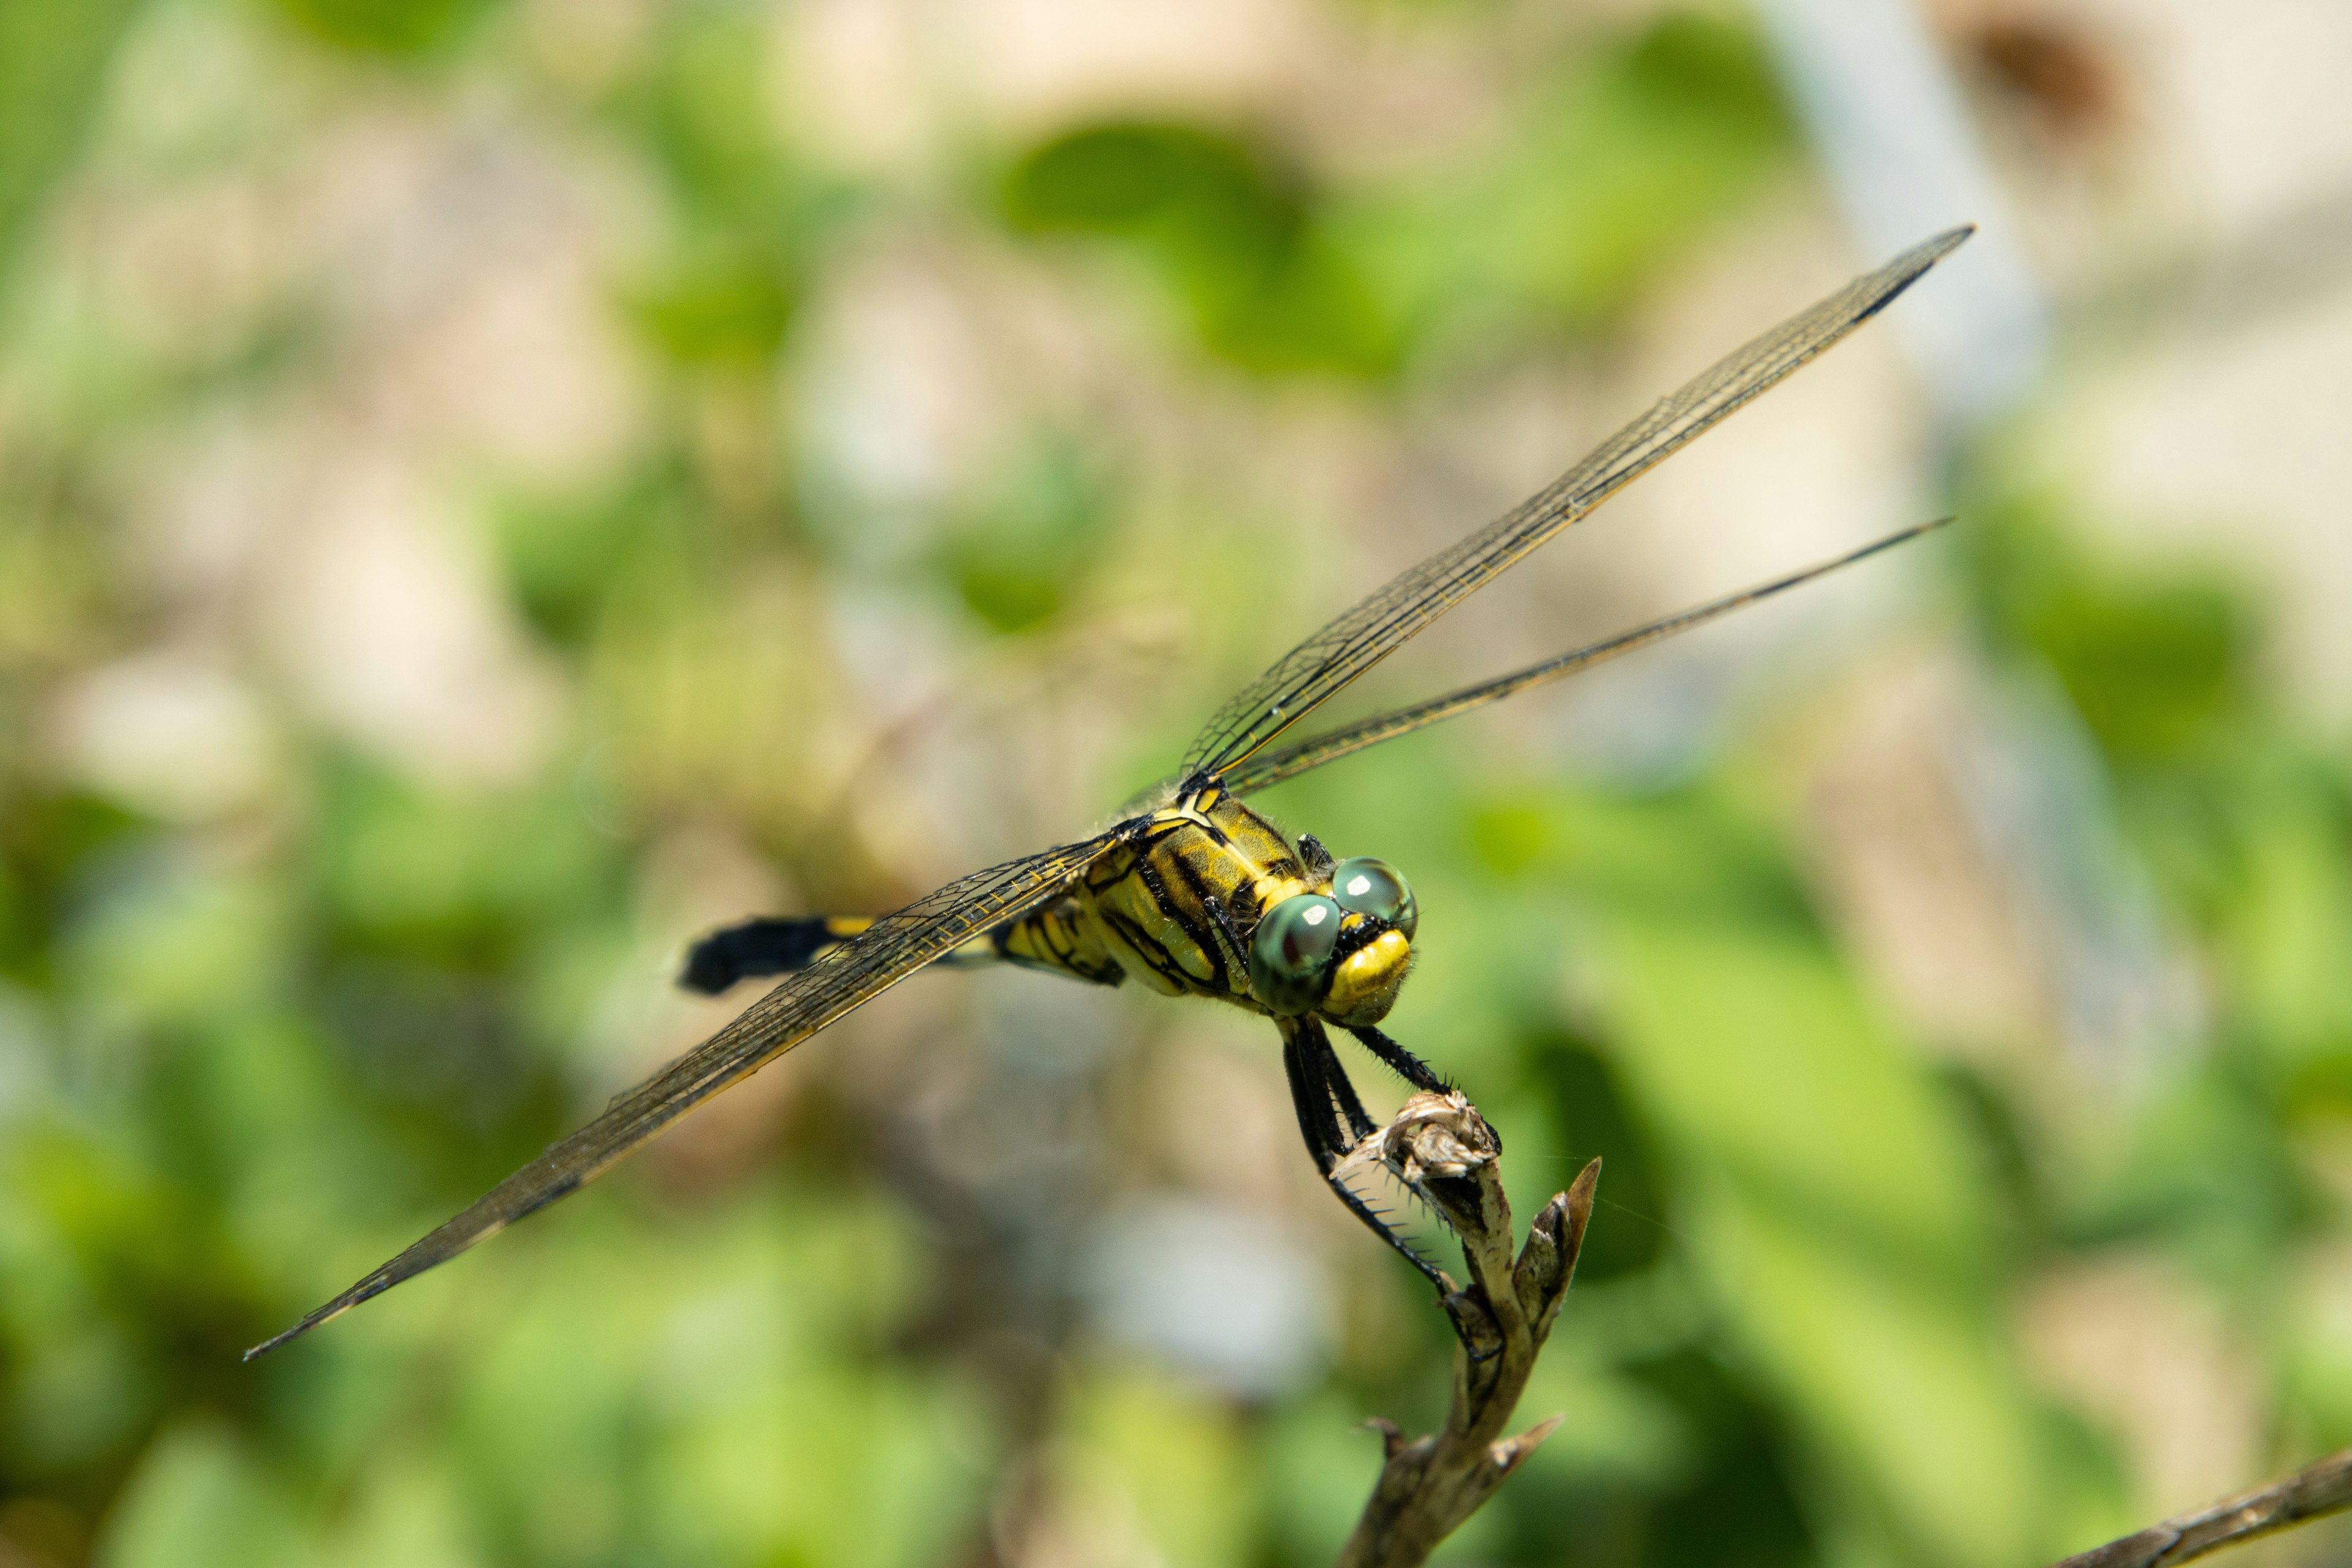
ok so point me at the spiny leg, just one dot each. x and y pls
(1343, 1094)
(1225, 919)
(1317, 860)
(1309, 1061)
(1319, 1121)
(1409, 1067)
(1342, 1091)
(1337, 1094)
(1401, 1062)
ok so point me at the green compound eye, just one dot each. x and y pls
(1290, 952)
(1364, 886)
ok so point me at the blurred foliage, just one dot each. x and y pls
(1029, 534)
(392, 28)
(53, 61)
(2157, 665)
(247, 1051)
(1625, 160)
(2246, 827)
(1237, 238)
(1609, 171)
(745, 209)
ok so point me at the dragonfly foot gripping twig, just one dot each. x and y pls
(1440, 1146)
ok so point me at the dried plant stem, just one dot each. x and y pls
(2319, 1488)
(1443, 1149)
(1440, 1147)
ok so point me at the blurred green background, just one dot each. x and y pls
(490, 488)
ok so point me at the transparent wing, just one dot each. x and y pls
(1325, 663)
(1269, 768)
(846, 978)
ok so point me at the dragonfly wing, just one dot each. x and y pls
(1267, 769)
(1325, 663)
(846, 978)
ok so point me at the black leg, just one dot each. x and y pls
(1317, 860)
(1306, 1056)
(1223, 917)
(1308, 1099)
(1402, 1062)
(1343, 1093)
(1409, 1067)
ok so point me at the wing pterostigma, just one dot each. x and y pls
(845, 978)
(1267, 769)
(1303, 678)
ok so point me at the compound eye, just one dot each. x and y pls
(1290, 952)
(1364, 886)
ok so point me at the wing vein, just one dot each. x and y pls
(1359, 638)
(841, 980)
(1268, 768)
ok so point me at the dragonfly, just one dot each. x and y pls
(1192, 893)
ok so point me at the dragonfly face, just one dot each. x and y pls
(1201, 896)
(1340, 950)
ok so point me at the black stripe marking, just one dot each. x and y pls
(1163, 963)
(1220, 974)
(1148, 874)
(1215, 833)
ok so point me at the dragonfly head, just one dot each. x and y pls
(1341, 951)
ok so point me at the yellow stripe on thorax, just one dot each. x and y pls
(1150, 901)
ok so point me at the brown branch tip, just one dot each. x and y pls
(1440, 1146)
(2319, 1488)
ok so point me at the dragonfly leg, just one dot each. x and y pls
(1343, 1092)
(1402, 1062)
(1225, 919)
(1313, 1069)
(1409, 1067)
(1317, 860)
(1319, 1121)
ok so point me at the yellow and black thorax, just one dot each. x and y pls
(1172, 906)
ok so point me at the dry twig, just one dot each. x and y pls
(2322, 1488)
(1442, 1148)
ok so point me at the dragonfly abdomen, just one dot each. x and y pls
(1057, 938)
(1170, 907)
(1061, 937)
